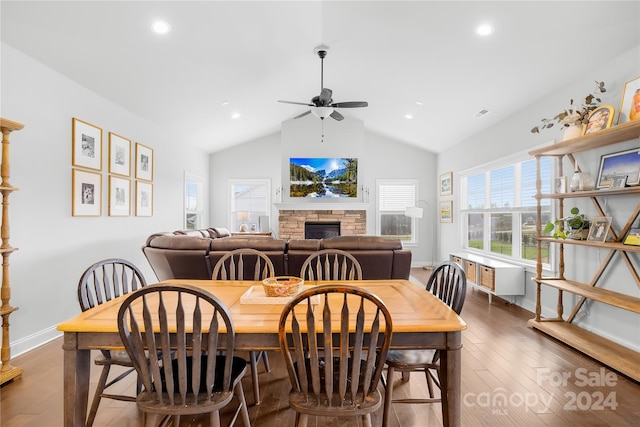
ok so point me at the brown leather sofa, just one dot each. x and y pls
(191, 254)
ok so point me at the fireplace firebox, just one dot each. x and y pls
(321, 230)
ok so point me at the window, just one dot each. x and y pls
(193, 201)
(501, 209)
(250, 205)
(394, 196)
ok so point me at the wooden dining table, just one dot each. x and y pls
(420, 321)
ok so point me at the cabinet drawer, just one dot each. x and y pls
(457, 260)
(488, 277)
(470, 270)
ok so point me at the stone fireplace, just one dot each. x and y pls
(291, 223)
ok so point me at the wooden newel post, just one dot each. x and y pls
(7, 372)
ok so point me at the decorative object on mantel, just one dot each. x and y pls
(630, 102)
(575, 115)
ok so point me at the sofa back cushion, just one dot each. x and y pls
(178, 256)
(297, 252)
(380, 258)
(273, 248)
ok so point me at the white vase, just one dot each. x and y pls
(571, 132)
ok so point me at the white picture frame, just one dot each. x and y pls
(119, 196)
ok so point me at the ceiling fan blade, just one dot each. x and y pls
(302, 115)
(296, 103)
(325, 97)
(351, 104)
(337, 115)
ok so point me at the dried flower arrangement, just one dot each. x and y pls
(575, 115)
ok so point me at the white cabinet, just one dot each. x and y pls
(491, 276)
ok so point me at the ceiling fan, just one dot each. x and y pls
(322, 106)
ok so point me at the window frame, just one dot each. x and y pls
(413, 240)
(198, 211)
(231, 202)
(517, 212)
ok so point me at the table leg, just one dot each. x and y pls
(76, 371)
(451, 381)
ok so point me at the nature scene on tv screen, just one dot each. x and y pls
(323, 177)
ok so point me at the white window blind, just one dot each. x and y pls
(396, 197)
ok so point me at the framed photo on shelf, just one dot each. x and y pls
(625, 163)
(599, 228)
(86, 145)
(446, 211)
(253, 227)
(633, 237)
(119, 196)
(630, 102)
(144, 162)
(599, 119)
(446, 184)
(560, 184)
(86, 190)
(144, 198)
(618, 181)
(119, 155)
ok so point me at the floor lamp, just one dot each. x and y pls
(417, 213)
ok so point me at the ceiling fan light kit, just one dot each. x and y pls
(322, 106)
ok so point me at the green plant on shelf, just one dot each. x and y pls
(574, 226)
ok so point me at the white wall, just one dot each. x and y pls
(54, 247)
(513, 136)
(379, 157)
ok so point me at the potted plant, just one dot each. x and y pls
(575, 115)
(575, 226)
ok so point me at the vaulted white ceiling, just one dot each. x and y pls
(392, 54)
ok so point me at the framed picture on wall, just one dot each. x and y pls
(119, 196)
(86, 190)
(86, 145)
(446, 184)
(119, 155)
(144, 162)
(144, 198)
(446, 211)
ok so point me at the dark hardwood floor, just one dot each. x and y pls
(511, 376)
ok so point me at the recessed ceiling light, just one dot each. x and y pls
(235, 116)
(419, 103)
(160, 27)
(408, 116)
(223, 103)
(484, 30)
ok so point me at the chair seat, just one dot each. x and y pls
(150, 402)
(313, 406)
(320, 405)
(410, 359)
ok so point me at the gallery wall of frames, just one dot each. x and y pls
(129, 183)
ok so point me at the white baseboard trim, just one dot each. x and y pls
(33, 341)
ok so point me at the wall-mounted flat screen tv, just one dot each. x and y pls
(323, 177)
